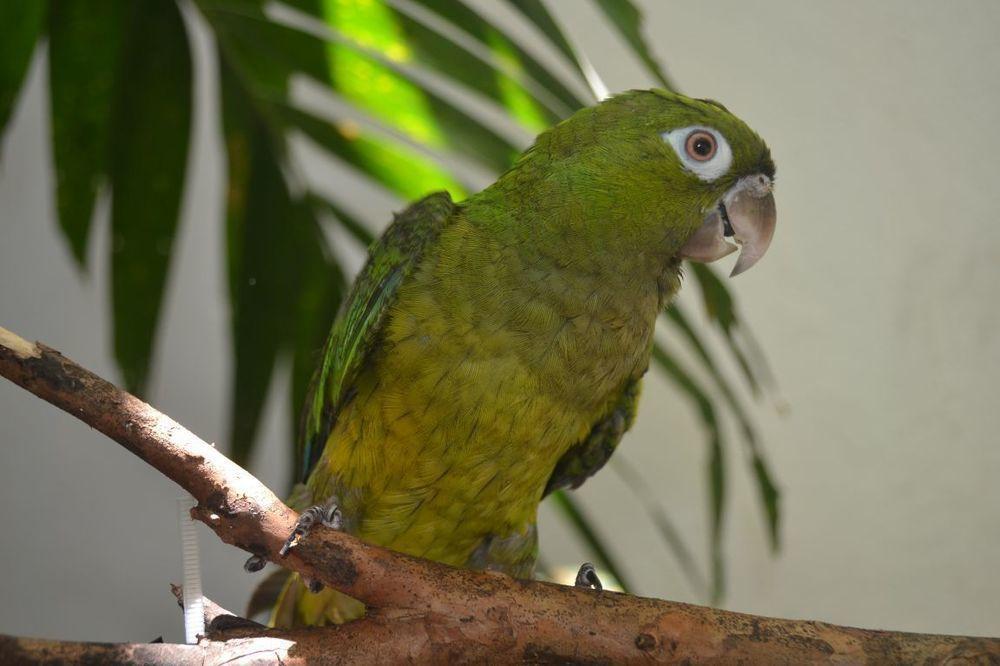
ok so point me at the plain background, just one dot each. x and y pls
(876, 306)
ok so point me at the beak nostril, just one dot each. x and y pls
(759, 185)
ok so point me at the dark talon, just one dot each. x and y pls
(587, 577)
(293, 539)
(328, 514)
(254, 564)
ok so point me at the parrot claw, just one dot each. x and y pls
(254, 564)
(587, 577)
(328, 514)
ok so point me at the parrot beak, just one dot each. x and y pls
(747, 214)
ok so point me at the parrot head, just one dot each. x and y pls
(721, 156)
(660, 170)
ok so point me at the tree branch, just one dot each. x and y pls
(420, 610)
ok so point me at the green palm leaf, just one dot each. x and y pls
(716, 460)
(22, 24)
(768, 491)
(84, 58)
(149, 148)
(624, 16)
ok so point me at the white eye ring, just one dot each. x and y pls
(706, 169)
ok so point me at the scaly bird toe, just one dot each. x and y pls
(328, 514)
(587, 577)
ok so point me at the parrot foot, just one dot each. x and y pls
(587, 577)
(328, 514)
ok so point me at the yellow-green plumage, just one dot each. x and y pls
(491, 350)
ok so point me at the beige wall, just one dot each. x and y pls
(874, 304)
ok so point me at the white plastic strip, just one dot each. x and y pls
(194, 607)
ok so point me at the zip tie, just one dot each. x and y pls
(194, 604)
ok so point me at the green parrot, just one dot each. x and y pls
(491, 351)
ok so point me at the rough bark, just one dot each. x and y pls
(420, 610)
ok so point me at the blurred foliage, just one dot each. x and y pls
(120, 77)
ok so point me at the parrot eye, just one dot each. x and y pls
(700, 146)
(702, 150)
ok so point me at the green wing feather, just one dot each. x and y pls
(583, 460)
(357, 329)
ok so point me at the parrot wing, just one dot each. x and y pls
(356, 331)
(584, 459)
